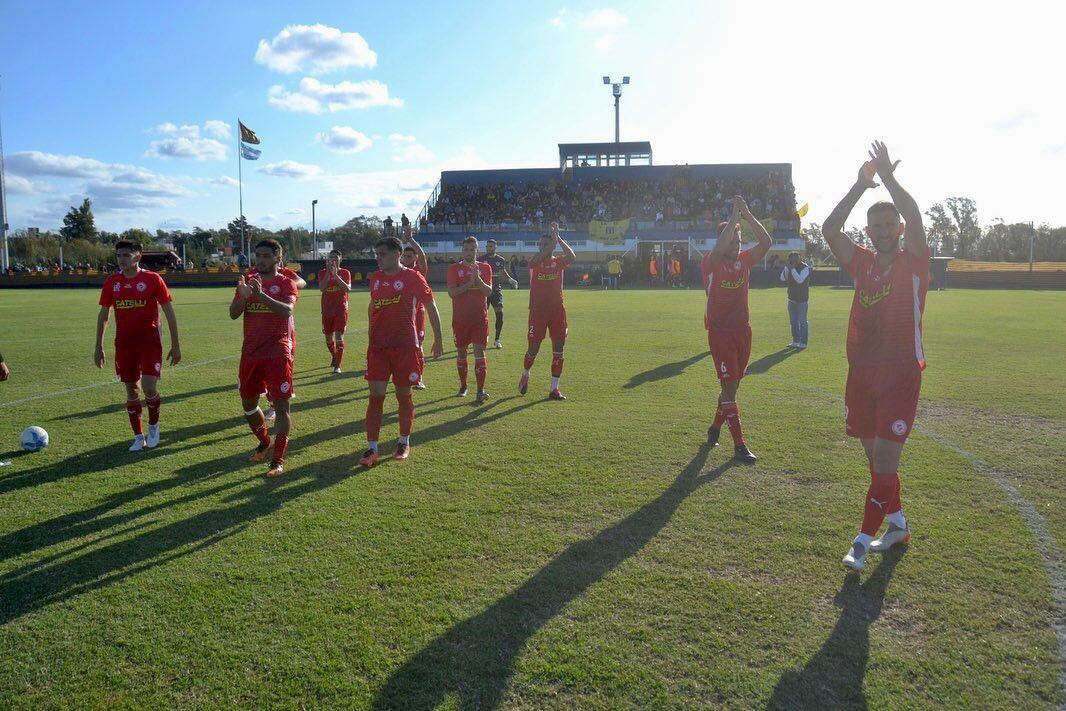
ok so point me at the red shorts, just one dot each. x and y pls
(467, 334)
(403, 365)
(132, 360)
(270, 375)
(420, 324)
(730, 351)
(881, 400)
(554, 322)
(335, 323)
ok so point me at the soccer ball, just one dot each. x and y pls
(33, 439)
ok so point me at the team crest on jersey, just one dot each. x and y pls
(118, 287)
(274, 289)
(377, 283)
(736, 264)
(158, 367)
(284, 387)
(141, 286)
(398, 285)
(413, 377)
(899, 428)
(462, 273)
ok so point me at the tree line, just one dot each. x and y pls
(83, 243)
(954, 230)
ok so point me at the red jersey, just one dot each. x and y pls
(393, 301)
(886, 312)
(136, 302)
(424, 271)
(266, 334)
(546, 284)
(334, 297)
(470, 306)
(726, 282)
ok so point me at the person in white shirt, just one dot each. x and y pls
(797, 275)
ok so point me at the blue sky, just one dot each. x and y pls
(361, 105)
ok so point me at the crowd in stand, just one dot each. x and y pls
(682, 199)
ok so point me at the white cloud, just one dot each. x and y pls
(226, 181)
(217, 129)
(314, 97)
(407, 148)
(38, 163)
(17, 185)
(186, 142)
(291, 169)
(345, 139)
(314, 49)
(1014, 120)
(294, 211)
(604, 19)
(606, 22)
(387, 202)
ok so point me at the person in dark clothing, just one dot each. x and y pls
(797, 275)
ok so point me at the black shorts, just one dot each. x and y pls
(496, 299)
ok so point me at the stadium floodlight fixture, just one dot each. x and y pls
(625, 80)
(607, 80)
(616, 91)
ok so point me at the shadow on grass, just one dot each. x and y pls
(769, 361)
(665, 371)
(244, 499)
(474, 660)
(834, 676)
(119, 406)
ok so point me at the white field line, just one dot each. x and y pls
(101, 384)
(1049, 550)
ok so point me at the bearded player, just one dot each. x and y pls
(267, 300)
(414, 257)
(469, 284)
(137, 295)
(546, 310)
(727, 274)
(499, 273)
(298, 280)
(395, 292)
(335, 284)
(885, 354)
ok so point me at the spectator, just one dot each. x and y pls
(675, 272)
(614, 272)
(653, 269)
(797, 275)
(388, 225)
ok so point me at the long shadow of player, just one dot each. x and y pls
(108, 564)
(770, 360)
(664, 371)
(834, 676)
(474, 660)
(168, 400)
(95, 520)
(177, 440)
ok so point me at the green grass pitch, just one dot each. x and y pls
(534, 554)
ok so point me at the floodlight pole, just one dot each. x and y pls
(617, 98)
(314, 232)
(1032, 234)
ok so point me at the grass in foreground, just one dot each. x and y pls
(589, 553)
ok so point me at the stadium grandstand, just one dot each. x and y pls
(610, 200)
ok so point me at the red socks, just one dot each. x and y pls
(332, 351)
(338, 353)
(557, 365)
(462, 367)
(719, 417)
(133, 409)
(153, 409)
(481, 369)
(528, 362)
(281, 442)
(880, 498)
(732, 418)
(407, 413)
(374, 407)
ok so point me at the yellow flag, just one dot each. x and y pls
(803, 210)
(606, 232)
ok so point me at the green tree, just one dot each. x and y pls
(78, 223)
(941, 230)
(138, 235)
(964, 213)
(355, 236)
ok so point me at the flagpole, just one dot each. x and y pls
(240, 190)
(5, 261)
